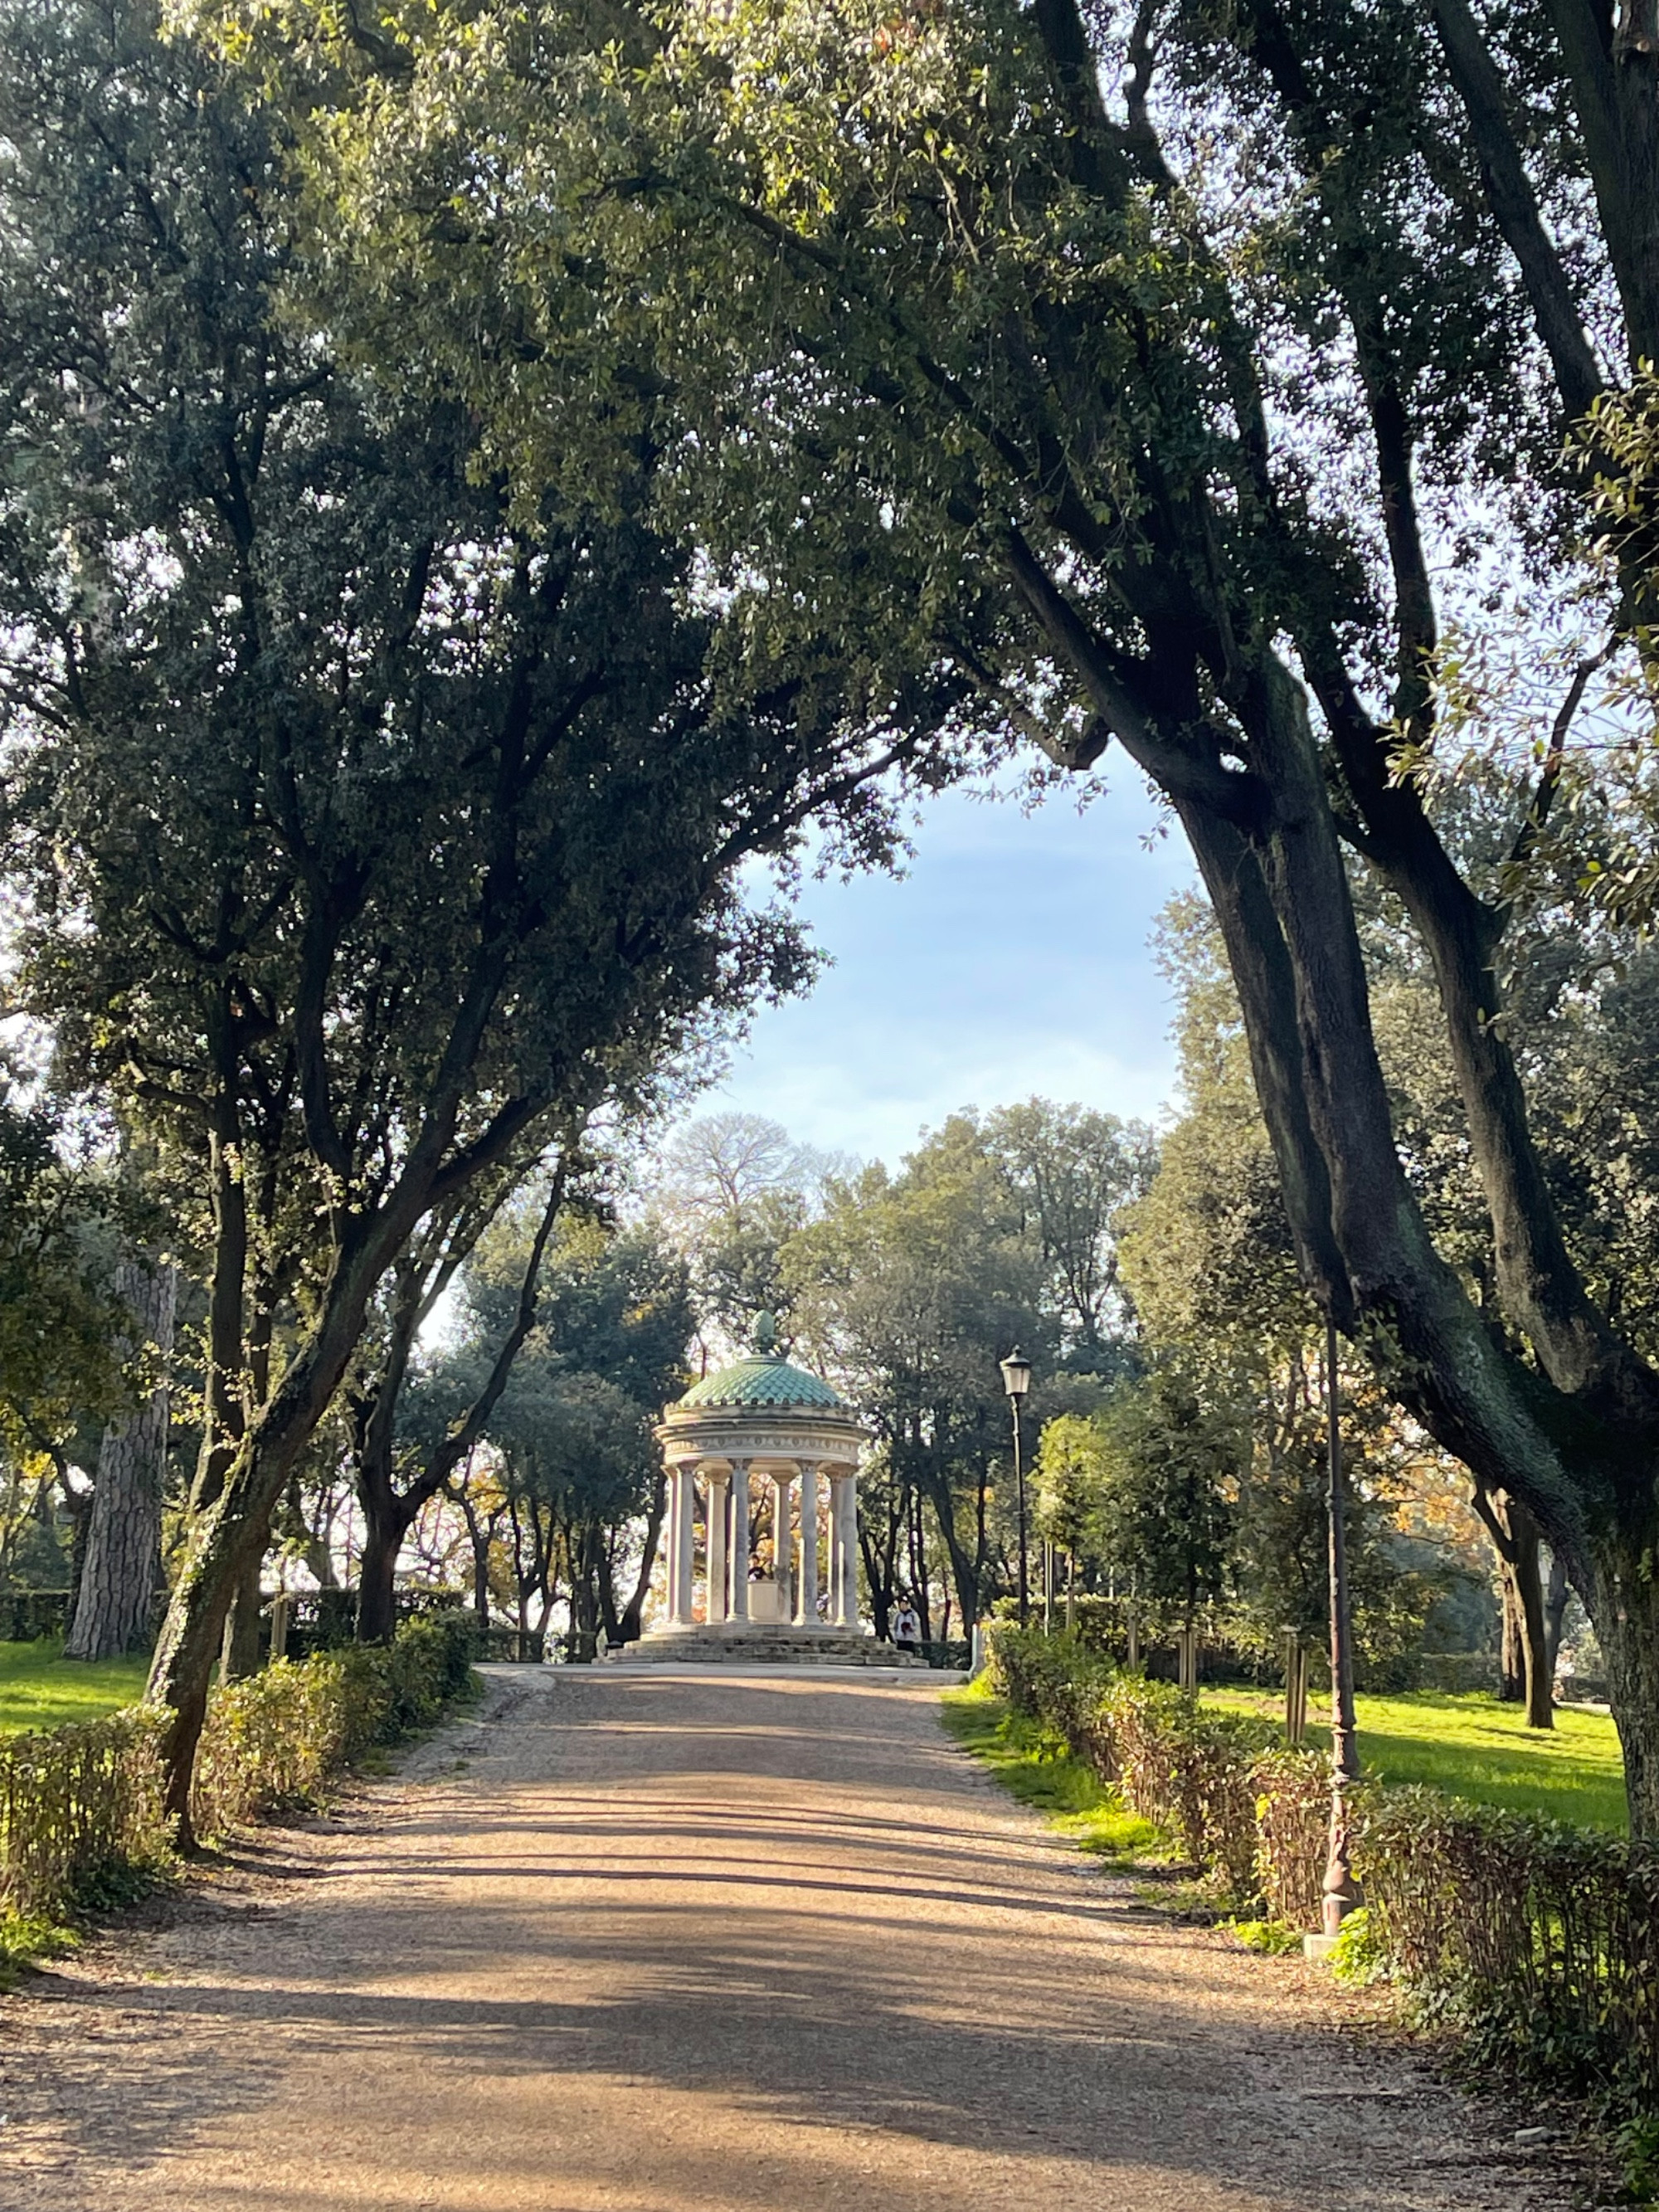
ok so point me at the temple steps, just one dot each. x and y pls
(759, 1647)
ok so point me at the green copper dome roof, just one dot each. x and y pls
(758, 1382)
(762, 1379)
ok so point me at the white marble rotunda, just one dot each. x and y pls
(762, 1457)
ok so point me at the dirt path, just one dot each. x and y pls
(704, 1945)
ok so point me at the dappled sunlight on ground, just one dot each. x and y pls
(702, 1945)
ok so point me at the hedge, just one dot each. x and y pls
(28, 1615)
(80, 1811)
(80, 1808)
(1539, 1942)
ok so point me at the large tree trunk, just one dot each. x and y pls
(1627, 1626)
(239, 1652)
(229, 1535)
(1529, 1668)
(224, 1401)
(391, 1512)
(1295, 953)
(479, 1537)
(481, 1578)
(121, 1571)
(1512, 1643)
(320, 1560)
(918, 1567)
(229, 1532)
(609, 1619)
(77, 1504)
(385, 1527)
(1568, 1422)
(966, 1568)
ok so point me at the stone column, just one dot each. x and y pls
(806, 1603)
(851, 1548)
(739, 1609)
(847, 1519)
(714, 1527)
(782, 1485)
(683, 1534)
(834, 1561)
(672, 1551)
(838, 1549)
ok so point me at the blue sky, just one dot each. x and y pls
(1012, 959)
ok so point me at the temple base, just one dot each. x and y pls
(761, 1644)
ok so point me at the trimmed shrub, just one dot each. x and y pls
(1190, 1771)
(1187, 1770)
(274, 1739)
(1538, 1941)
(271, 1742)
(28, 1615)
(80, 1813)
(1292, 1829)
(80, 1808)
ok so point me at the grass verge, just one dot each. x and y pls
(41, 1689)
(1469, 1745)
(1033, 1765)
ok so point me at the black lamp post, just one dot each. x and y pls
(1341, 1894)
(1016, 1381)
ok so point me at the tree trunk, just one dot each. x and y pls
(224, 1408)
(320, 1560)
(240, 1656)
(479, 1536)
(1528, 1674)
(481, 1578)
(77, 1504)
(878, 1578)
(229, 1535)
(385, 1525)
(1512, 1657)
(1627, 1628)
(918, 1569)
(1567, 1419)
(121, 1571)
(633, 1613)
(1557, 1592)
(584, 1597)
(387, 1509)
(609, 1618)
(1541, 1701)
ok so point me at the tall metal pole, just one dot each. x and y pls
(1019, 1490)
(1341, 1894)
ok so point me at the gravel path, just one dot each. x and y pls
(672, 1943)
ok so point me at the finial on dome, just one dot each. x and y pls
(764, 1336)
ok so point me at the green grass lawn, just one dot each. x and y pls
(1470, 1746)
(41, 1689)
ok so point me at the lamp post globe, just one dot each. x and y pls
(1016, 1381)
